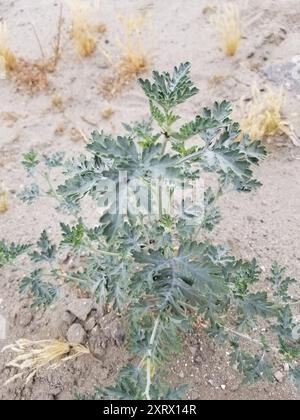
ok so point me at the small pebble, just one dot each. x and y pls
(279, 377)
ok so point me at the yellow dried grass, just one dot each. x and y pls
(3, 201)
(133, 60)
(228, 24)
(7, 57)
(32, 356)
(262, 117)
(83, 31)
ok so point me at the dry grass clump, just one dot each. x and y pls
(262, 117)
(3, 201)
(228, 24)
(107, 113)
(216, 80)
(57, 103)
(83, 30)
(7, 57)
(26, 73)
(31, 74)
(133, 61)
(33, 356)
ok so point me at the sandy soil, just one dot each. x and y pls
(265, 224)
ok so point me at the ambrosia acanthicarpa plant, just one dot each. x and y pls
(148, 258)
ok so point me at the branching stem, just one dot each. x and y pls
(150, 356)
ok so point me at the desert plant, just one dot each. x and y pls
(6, 54)
(262, 117)
(83, 30)
(133, 60)
(228, 25)
(151, 264)
(31, 74)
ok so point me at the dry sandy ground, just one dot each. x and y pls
(265, 224)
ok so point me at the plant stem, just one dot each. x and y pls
(89, 246)
(191, 156)
(248, 338)
(149, 358)
(165, 143)
(52, 191)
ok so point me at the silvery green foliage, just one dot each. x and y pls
(160, 273)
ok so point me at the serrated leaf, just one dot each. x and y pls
(43, 293)
(199, 125)
(55, 160)
(30, 161)
(73, 235)
(212, 213)
(169, 91)
(29, 194)
(47, 250)
(9, 252)
(256, 304)
(280, 283)
(253, 368)
(295, 376)
(110, 148)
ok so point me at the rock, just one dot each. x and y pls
(68, 318)
(193, 350)
(285, 74)
(223, 387)
(90, 324)
(25, 319)
(96, 347)
(60, 322)
(81, 308)
(113, 328)
(76, 334)
(279, 377)
(55, 391)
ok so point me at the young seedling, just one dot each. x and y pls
(83, 31)
(262, 117)
(228, 25)
(148, 258)
(32, 356)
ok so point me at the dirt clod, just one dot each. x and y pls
(81, 308)
(76, 334)
(279, 376)
(25, 319)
